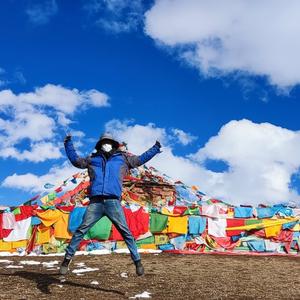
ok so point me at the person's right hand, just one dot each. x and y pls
(68, 137)
(158, 144)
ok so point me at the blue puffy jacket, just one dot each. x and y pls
(106, 175)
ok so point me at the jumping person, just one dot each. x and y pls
(107, 168)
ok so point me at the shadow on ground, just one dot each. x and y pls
(44, 281)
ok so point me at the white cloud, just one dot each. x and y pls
(37, 117)
(95, 98)
(39, 152)
(63, 120)
(32, 183)
(138, 136)
(261, 158)
(116, 16)
(257, 37)
(40, 13)
(54, 96)
(184, 138)
(32, 125)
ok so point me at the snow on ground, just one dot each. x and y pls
(124, 275)
(83, 270)
(80, 265)
(29, 262)
(100, 252)
(5, 261)
(95, 282)
(14, 267)
(50, 264)
(142, 295)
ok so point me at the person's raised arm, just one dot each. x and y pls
(76, 161)
(138, 160)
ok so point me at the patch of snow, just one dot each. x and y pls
(29, 262)
(5, 261)
(14, 267)
(95, 282)
(9, 254)
(77, 271)
(142, 295)
(50, 264)
(100, 252)
(60, 285)
(149, 251)
(81, 264)
(121, 251)
(124, 275)
(82, 253)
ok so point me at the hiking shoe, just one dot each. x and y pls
(139, 268)
(64, 267)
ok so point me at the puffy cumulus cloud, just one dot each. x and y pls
(32, 125)
(33, 183)
(39, 152)
(53, 96)
(221, 37)
(184, 138)
(116, 16)
(146, 135)
(37, 117)
(261, 157)
(137, 136)
(40, 12)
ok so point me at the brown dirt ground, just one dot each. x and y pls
(167, 277)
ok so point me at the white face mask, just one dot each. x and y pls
(106, 147)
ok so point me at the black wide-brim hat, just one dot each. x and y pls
(107, 137)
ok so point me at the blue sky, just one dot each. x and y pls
(215, 113)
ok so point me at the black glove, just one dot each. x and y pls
(158, 144)
(67, 137)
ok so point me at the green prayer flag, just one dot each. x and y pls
(192, 211)
(148, 240)
(51, 196)
(17, 211)
(252, 222)
(158, 222)
(100, 231)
